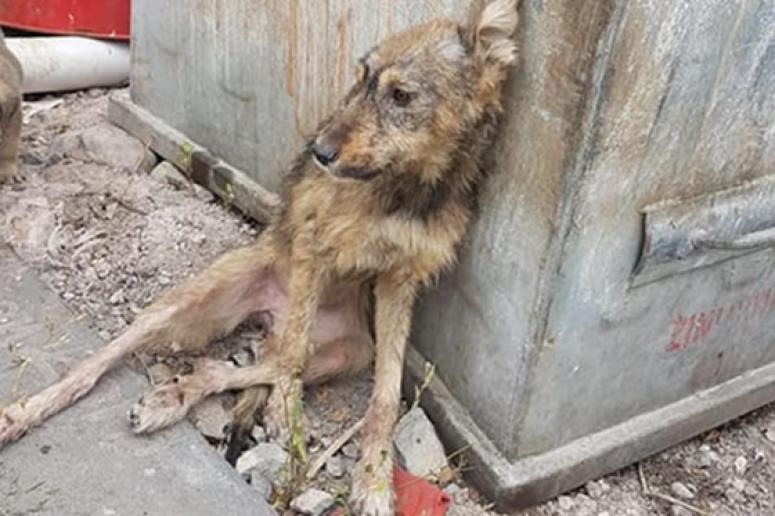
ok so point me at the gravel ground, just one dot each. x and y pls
(108, 237)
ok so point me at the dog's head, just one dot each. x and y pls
(417, 97)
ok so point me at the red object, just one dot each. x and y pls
(414, 496)
(97, 18)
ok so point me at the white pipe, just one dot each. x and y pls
(69, 63)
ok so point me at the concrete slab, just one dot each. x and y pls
(85, 461)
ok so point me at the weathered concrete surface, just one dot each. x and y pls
(85, 461)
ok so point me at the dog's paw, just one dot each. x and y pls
(13, 424)
(159, 408)
(371, 494)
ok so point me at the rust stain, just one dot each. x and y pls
(290, 64)
(292, 61)
(341, 52)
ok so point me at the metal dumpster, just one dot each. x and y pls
(616, 293)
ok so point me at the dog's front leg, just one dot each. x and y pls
(372, 489)
(294, 346)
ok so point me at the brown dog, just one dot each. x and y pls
(10, 110)
(375, 205)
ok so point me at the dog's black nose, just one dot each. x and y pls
(325, 154)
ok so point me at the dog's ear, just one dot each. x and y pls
(491, 31)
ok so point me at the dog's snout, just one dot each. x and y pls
(324, 153)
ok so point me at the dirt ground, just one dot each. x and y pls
(108, 238)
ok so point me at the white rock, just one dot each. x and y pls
(211, 419)
(681, 491)
(769, 433)
(418, 447)
(741, 463)
(351, 451)
(677, 510)
(566, 503)
(266, 458)
(597, 488)
(312, 502)
(335, 466)
(118, 297)
(203, 194)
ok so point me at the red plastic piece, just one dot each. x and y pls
(414, 496)
(97, 18)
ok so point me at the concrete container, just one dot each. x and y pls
(615, 295)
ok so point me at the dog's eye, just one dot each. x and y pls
(401, 97)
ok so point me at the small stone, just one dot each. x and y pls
(118, 297)
(681, 491)
(351, 451)
(258, 434)
(566, 503)
(267, 458)
(312, 502)
(335, 466)
(211, 419)
(203, 194)
(741, 463)
(166, 172)
(677, 510)
(604, 513)
(769, 433)
(418, 447)
(597, 488)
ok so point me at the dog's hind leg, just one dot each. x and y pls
(168, 403)
(207, 305)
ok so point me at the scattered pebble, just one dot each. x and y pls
(312, 502)
(351, 451)
(166, 172)
(335, 466)
(266, 458)
(566, 503)
(741, 463)
(678, 510)
(681, 491)
(597, 488)
(417, 444)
